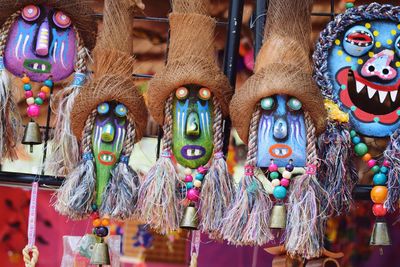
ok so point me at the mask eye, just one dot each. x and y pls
(204, 93)
(397, 46)
(61, 20)
(103, 108)
(181, 93)
(358, 41)
(294, 104)
(120, 110)
(267, 103)
(30, 13)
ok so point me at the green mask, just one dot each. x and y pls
(192, 141)
(107, 139)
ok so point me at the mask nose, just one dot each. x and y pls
(193, 125)
(43, 39)
(379, 65)
(108, 133)
(280, 129)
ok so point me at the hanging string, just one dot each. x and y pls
(195, 248)
(30, 261)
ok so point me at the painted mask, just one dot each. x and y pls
(107, 139)
(364, 63)
(192, 141)
(281, 132)
(41, 43)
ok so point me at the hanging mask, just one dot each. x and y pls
(192, 141)
(281, 132)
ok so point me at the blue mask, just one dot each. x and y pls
(364, 66)
(281, 132)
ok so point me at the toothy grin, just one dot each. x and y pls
(192, 152)
(280, 151)
(37, 65)
(106, 158)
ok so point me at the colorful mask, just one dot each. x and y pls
(41, 43)
(364, 63)
(281, 132)
(192, 141)
(107, 139)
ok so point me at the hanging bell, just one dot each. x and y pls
(278, 217)
(100, 254)
(32, 135)
(190, 220)
(380, 234)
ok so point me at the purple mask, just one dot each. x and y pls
(41, 43)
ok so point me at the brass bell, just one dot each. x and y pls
(100, 254)
(278, 217)
(190, 220)
(32, 135)
(380, 235)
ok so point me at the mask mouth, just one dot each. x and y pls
(280, 151)
(192, 152)
(107, 158)
(37, 66)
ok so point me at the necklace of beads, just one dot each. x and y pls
(193, 184)
(100, 224)
(34, 103)
(379, 191)
(280, 182)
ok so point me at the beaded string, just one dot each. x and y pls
(379, 191)
(34, 103)
(280, 182)
(193, 184)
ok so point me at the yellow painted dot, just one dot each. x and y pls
(360, 61)
(348, 59)
(371, 54)
(337, 42)
(340, 52)
(397, 64)
(378, 44)
(376, 33)
(398, 26)
(393, 32)
(368, 25)
(389, 42)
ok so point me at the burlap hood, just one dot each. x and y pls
(282, 67)
(81, 14)
(191, 58)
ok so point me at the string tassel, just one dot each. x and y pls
(392, 156)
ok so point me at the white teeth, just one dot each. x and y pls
(35, 66)
(359, 86)
(43, 67)
(382, 96)
(393, 95)
(371, 92)
(197, 152)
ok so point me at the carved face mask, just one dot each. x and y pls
(107, 139)
(41, 43)
(281, 132)
(192, 141)
(364, 63)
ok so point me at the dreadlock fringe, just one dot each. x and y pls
(216, 194)
(75, 196)
(335, 172)
(158, 203)
(392, 155)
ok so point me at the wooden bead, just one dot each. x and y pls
(366, 157)
(379, 194)
(287, 174)
(197, 183)
(30, 101)
(96, 223)
(26, 79)
(275, 182)
(105, 222)
(188, 171)
(45, 89)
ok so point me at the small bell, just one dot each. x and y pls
(190, 220)
(32, 135)
(100, 254)
(278, 217)
(380, 234)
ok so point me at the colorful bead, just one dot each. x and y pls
(28, 94)
(379, 194)
(379, 210)
(193, 194)
(273, 167)
(275, 182)
(202, 170)
(101, 231)
(105, 222)
(353, 133)
(384, 169)
(386, 163)
(361, 149)
(285, 182)
(197, 183)
(33, 111)
(188, 178)
(356, 140)
(349, 5)
(42, 95)
(94, 215)
(30, 100)
(94, 207)
(199, 177)
(26, 79)
(48, 83)
(367, 157)
(27, 87)
(38, 101)
(96, 223)
(188, 171)
(280, 192)
(45, 89)
(274, 175)
(379, 179)
(189, 185)
(287, 174)
(289, 167)
(375, 169)
(371, 163)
